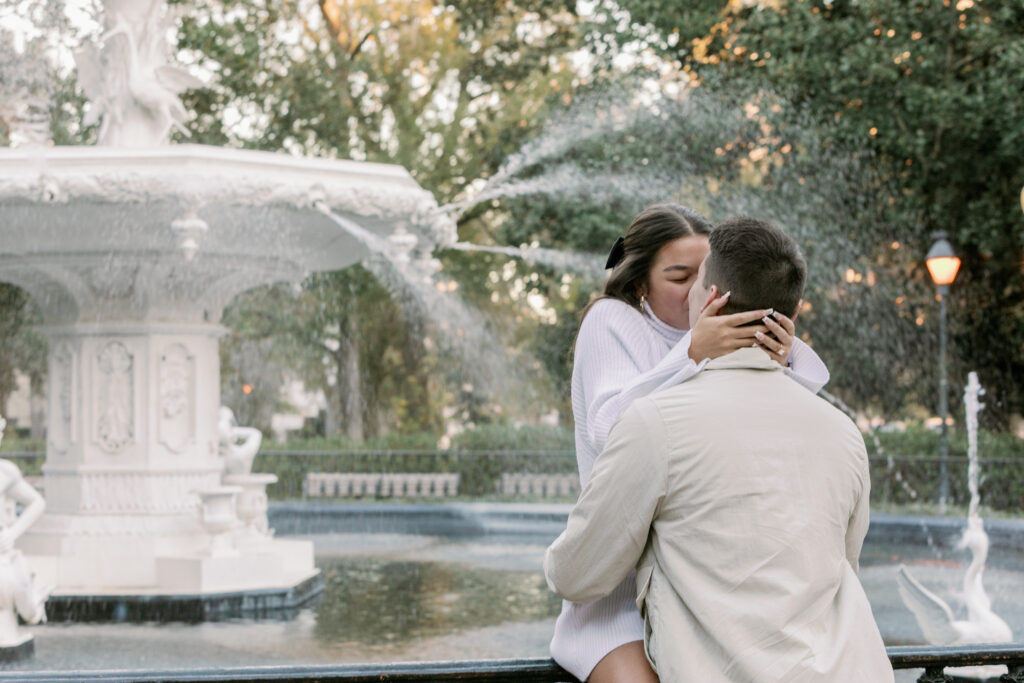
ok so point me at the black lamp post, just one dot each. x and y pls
(943, 265)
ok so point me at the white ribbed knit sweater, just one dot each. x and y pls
(623, 354)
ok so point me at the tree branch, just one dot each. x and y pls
(359, 45)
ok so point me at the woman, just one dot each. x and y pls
(633, 341)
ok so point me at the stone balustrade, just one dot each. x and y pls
(351, 485)
(540, 485)
(429, 485)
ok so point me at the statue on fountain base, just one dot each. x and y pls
(238, 445)
(19, 596)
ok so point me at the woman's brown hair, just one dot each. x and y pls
(651, 229)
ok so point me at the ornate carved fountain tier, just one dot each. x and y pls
(131, 255)
(173, 233)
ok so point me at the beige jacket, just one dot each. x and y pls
(744, 500)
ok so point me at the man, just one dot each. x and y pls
(744, 499)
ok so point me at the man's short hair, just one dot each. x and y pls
(759, 263)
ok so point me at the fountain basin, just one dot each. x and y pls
(459, 581)
(281, 602)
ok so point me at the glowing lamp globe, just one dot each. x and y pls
(942, 263)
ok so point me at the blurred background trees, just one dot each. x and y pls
(925, 96)
(861, 127)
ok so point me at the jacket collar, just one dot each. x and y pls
(748, 358)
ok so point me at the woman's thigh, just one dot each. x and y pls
(625, 664)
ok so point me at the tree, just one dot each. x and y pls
(444, 89)
(22, 348)
(434, 87)
(925, 97)
(341, 333)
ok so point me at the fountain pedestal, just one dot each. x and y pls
(239, 557)
(132, 435)
(133, 473)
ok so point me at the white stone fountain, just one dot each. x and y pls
(131, 249)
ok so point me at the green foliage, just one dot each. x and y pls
(505, 437)
(15, 444)
(917, 440)
(479, 473)
(480, 456)
(12, 316)
(446, 90)
(21, 346)
(913, 477)
(394, 441)
(926, 97)
(31, 463)
(434, 87)
(342, 333)
(565, 223)
(596, 163)
(862, 127)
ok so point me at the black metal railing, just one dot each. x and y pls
(933, 660)
(896, 480)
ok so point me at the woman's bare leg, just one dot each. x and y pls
(625, 664)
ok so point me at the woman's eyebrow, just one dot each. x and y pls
(678, 266)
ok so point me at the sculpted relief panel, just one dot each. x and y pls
(115, 397)
(143, 492)
(61, 391)
(177, 393)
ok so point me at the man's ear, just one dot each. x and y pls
(713, 293)
(799, 305)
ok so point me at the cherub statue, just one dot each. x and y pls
(18, 594)
(132, 89)
(238, 445)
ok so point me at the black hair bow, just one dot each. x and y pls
(616, 254)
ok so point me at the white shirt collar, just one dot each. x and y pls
(672, 334)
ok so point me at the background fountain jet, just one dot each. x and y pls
(933, 615)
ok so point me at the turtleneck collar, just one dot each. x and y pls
(671, 334)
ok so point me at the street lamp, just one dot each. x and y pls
(943, 265)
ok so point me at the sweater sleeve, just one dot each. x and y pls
(806, 367)
(608, 527)
(610, 353)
